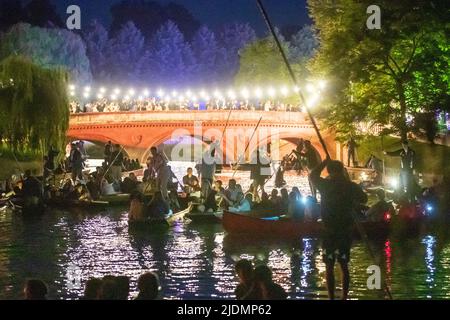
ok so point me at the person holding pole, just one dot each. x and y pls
(339, 196)
(159, 167)
(407, 169)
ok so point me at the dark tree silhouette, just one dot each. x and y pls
(11, 12)
(42, 13)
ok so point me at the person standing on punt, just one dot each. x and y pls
(339, 196)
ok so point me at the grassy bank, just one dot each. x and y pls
(432, 160)
(16, 162)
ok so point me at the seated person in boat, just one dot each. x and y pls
(158, 208)
(381, 210)
(265, 286)
(275, 200)
(296, 208)
(245, 288)
(130, 183)
(210, 204)
(107, 188)
(93, 187)
(32, 187)
(232, 191)
(218, 186)
(136, 212)
(284, 200)
(243, 204)
(190, 182)
(79, 193)
(264, 203)
(67, 188)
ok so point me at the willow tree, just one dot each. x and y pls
(34, 113)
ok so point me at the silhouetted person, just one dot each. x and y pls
(107, 152)
(148, 286)
(268, 289)
(339, 196)
(35, 290)
(351, 152)
(109, 289)
(408, 166)
(244, 270)
(92, 289)
(123, 287)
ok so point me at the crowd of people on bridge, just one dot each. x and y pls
(154, 104)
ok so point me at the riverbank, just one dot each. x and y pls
(17, 162)
(432, 160)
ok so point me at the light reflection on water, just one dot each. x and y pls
(197, 262)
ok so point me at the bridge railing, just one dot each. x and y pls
(273, 117)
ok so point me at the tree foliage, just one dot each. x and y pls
(33, 105)
(48, 48)
(382, 76)
(172, 61)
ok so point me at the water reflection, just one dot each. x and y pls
(197, 261)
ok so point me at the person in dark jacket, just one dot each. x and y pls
(339, 197)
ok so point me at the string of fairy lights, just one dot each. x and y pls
(312, 89)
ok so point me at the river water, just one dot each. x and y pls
(65, 248)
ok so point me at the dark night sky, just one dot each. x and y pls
(210, 12)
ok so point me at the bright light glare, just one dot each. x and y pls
(284, 91)
(146, 93)
(304, 200)
(72, 87)
(271, 92)
(131, 92)
(116, 91)
(245, 93)
(310, 88)
(86, 95)
(102, 90)
(394, 182)
(87, 89)
(160, 93)
(322, 84)
(189, 93)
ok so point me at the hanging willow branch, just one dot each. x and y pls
(34, 113)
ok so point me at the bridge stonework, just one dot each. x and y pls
(139, 131)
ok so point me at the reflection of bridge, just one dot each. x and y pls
(138, 131)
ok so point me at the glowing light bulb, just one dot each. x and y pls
(146, 93)
(258, 92)
(116, 91)
(102, 90)
(72, 87)
(245, 93)
(160, 93)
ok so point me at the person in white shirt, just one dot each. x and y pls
(243, 203)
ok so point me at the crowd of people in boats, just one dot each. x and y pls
(254, 283)
(154, 104)
(160, 193)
